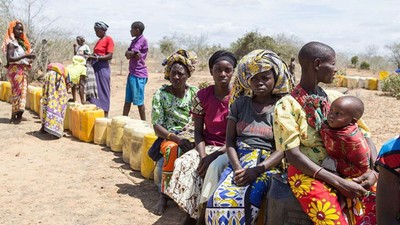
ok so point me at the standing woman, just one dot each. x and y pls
(103, 52)
(54, 99)
(19, 58)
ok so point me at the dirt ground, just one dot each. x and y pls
(65, 181)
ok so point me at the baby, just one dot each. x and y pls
(343, 140)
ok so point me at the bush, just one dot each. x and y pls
(392, 85)
(354, 61)
(252, 41)
(364, 65)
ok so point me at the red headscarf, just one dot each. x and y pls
(9, 37)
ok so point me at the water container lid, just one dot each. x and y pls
(102, 120)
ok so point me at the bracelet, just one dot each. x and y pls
(169, 136)
(97, 58)
(316, 172)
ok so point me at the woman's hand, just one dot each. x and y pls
(245, 176)
(30, 56)
(367, 180)
(205, 163)
(350, 189)
(185, 145)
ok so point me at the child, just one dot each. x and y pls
(137, 77)
(81, 49)
(342, 139)
(77, 73)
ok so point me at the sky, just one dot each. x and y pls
(349, 26)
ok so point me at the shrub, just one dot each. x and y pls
(364, 65)
(392, 85)
(354, 61)
(252, 41)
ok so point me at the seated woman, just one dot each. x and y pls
(170, 115)
(209, 110)
(262, 77)
(388, 164)
(314, 186)
(54, 99)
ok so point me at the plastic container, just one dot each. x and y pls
(282, 206)
(86, 126)
(38, 96)
(372, 84)
(352, 82)
(127, 137)
(108, 131)
(41, 110)
(76, 118)
(361, 82)
(8, 93)
(147, 164)
(4, 90)
(344, 83)
(117, 130)
(100, 131)
(339, 80)
(135, 158)
(32, 97)
(67, 117)
(383, 75)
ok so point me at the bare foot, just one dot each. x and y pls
(189, 220)
(161, 205)
(13, 117)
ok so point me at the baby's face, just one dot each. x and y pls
(339, 115)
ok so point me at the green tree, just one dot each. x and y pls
(252, 41)
(354, 61)
(364, 65)
(167, 45)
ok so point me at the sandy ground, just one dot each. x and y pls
(65, 181)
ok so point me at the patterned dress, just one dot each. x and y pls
(173, 114)
(54, 103)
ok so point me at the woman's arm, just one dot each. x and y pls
(231, 137)
(101, 57)
(10, 54)
(301, 162)
(198, 136)
(369, 178)
(387, 197)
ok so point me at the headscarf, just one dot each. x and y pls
(188, 58)
(9, 37)
(78, 60)
(222, 55)
(259, 61)
(101, 25)
(60, 69)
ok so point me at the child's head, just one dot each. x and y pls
(292, 59)
(345, 110)
(318, 59)
(80, 40)
(137, 29)
(222, 64)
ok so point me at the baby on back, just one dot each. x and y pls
(343, 140)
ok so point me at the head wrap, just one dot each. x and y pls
(101, 25)
(22, 40)
(187, 58)
(222, 55)
(78, 60)
(60, 69)
(259, 61)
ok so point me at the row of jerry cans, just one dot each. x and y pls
(352, 82)
(131, 137)
(33, 96)
(80, 120)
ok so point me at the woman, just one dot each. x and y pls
(262, 78)
(54, 99)
(388, 164)
(170, 115)
(209, 111)
(314, 186)
(19, 58)
(103, 52)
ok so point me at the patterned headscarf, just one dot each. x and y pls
(9, 37)
(188, 58)
(101, 25)
(60, 69)
(259, 61)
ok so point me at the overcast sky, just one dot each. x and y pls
(348, 26)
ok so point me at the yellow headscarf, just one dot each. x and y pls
(256, 62)
(188, 58)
